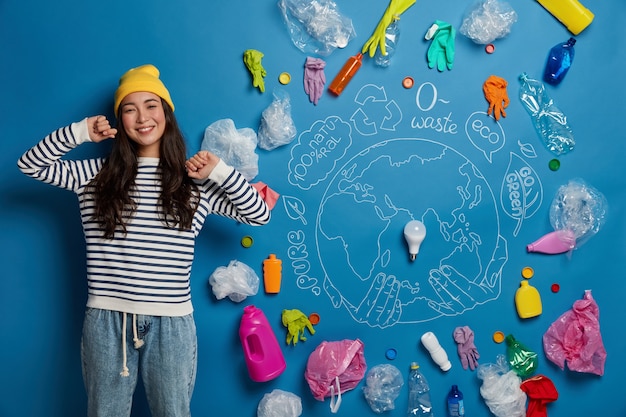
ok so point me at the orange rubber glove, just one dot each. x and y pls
(495, 93)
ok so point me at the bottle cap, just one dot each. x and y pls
(554, 164)
(498, 336)
(246, 241)
(284, 78)
(527, 272)
(391, 354)
(490, 48)
(314, 318)
(408, 82)
(555, 287)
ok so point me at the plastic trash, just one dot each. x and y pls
(334, 368)
(501, 389)
(277, 127)
(343, 77)
(550, 123)
(540, 391)
(527, 301)
(316, 26)
(419, 394)
(571, 13)
(279, 403)
(296, 322)
(575, 339)
(235, 281)
(487, 21)
(440, 53)
(437, 353)
(522, 360)
(456, 407)
(234, 146)
(466, 349)
(559, 62)
(392, 36)
(382, 386)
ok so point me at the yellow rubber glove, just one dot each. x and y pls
(393, 11)
(252, 59)
(295, 321)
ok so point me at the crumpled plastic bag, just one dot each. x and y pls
(279, 403)
(234, 146)
(575, 338)
(335, 367)
(235, 281)
(316, 26)
(382, 387)
(277, 127)
(501, 389)
(487, 21)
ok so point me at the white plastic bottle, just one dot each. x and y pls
(430, 342)
(419, 394)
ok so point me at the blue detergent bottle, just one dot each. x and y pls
(455, 402)
(559, 62)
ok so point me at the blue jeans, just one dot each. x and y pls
(167, 363)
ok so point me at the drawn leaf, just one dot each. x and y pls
(295, 208)
(527, 149)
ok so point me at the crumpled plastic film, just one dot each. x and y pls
(487, 21)
(279, 403)
(235, 281)
(382, 387)
(316, 26)
(234, 146)
(575, 338)
(501, 389)
(580, 208)
(277, 127)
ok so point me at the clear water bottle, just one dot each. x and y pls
(392, 35)
(559, 62)
(419, 394)
(549, 122)
(456, 407)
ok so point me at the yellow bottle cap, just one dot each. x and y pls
(246, 241)
(498, 336)
(284, 78)
(528, 272)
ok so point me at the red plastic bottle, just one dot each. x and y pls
(344, 76)
(264, 358)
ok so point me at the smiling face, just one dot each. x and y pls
(143, 119)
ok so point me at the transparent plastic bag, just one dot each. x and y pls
(235, 281)
(382, 387)
(501, 389)
(279, 403)
(316, 26)
(487, 21)
(277, 127)
(579, 208)
(549, 121)
(234, 146)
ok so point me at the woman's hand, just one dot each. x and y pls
(100, 129)
(201, 164)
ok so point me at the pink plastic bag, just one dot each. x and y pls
(335, 367)
(575, 338)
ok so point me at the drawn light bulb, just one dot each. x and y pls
(414, 233)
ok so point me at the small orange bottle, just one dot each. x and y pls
(344, 76)
(272, 274)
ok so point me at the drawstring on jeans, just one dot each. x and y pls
(137, 342)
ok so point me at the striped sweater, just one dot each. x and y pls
(147, 270)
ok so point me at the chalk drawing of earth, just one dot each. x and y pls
(360, 242)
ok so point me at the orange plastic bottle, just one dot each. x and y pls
(272, 274)
(344, 76)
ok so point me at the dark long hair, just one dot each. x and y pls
(112, 186)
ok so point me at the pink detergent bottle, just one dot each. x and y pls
(559, 241)
(261, 350)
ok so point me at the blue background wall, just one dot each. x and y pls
(61, 62)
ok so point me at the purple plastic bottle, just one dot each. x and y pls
(264, 358)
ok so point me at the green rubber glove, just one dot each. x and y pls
(441, 50)
(252, 59)
(393, 12)
(295, 321)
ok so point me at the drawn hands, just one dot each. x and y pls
(381, 306)
(100, 129)
(201, 164)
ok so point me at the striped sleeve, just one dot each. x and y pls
(43, 161)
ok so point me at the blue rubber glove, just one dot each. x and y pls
(314, 78)
(441, 50)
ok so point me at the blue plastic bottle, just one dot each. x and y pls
(419, 394)
(392, 35)
(455, 402)
(560, 60)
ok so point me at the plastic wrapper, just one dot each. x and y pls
(316, 26)
(580, 208)
(279, 403)
(501, 389)
(235, 281)
(234, 146)
(333, 368)
(487, 21)
(575, 338)
(522, 360)
(382, 387)
(277, 127)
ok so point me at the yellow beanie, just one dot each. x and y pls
(143, 78)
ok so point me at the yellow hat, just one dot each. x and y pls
(143, 78)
